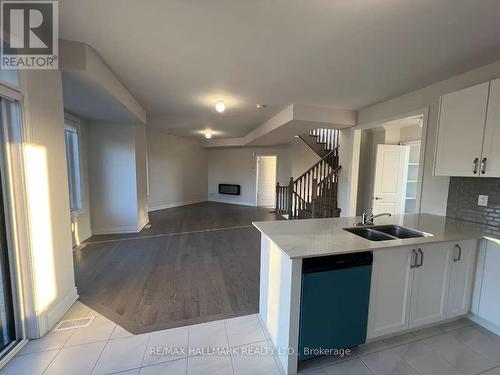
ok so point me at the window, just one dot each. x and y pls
(73, 161)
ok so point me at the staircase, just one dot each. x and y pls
(314, 193)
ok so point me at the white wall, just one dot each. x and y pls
(112, 176)
(48, 198)
(347, 184)
(80, 221)
(410, 133)
(302, 157)
(238, 166)
(141, 152)
(368, 153)
(177, 171)
(434, 189)
(182, 172)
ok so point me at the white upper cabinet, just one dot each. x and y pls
(469, 132)
(461, 128)
(491, 151)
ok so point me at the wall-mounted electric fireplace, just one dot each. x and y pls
(229, 189)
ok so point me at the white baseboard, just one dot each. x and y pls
(143, 224)
(229, 201)
(57, 312)
(175, 204)
(484, 323)
(116, 230)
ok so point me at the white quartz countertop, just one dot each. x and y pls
(318, 237)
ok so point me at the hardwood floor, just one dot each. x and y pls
(210, 271)
(195, 217)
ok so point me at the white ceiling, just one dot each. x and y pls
(179, 57)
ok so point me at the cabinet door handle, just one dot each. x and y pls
(457, 259)
(414, 257)
(475, 165)
(421, 262)
(483, 165)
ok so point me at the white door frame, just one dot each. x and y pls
(353, 192)
(402, 180)
(257, 172)
(27, 319)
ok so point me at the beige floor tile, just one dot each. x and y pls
(77, 360)
(99, 330)
(29, 364)
(122, 354)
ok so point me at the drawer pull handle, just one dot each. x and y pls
(457, 259)
(421, 262)
(414, 257)
(475, 165)
(483, 165)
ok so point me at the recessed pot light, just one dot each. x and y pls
(261, 106)
(220, 106)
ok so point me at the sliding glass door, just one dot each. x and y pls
(7, 321)
(9, 111)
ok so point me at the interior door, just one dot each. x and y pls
(266, 180)
(391, 169)
(460, 133)
(430, 285)
(491, 151)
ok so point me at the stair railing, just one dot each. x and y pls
(324, 202)
(329, 137)
(301, 193)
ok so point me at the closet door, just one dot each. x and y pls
(460, 134)
(491, 151)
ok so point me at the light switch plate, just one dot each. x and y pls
(482, 200)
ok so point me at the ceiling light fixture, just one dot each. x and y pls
(220, 106)
(261, 106)
(208, 135)
(295, 136)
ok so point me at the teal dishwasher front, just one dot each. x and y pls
(334, 303)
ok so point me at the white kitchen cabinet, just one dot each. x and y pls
(489, 299)
(491, 152)
(463, 262)
(430, 285)
(460, 134)
(413, 287)
(392, 278)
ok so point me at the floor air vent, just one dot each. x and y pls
(74, 323)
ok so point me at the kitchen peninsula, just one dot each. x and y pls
(413, 282)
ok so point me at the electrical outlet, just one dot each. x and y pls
(482, 200)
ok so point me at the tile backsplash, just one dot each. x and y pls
(462, 201)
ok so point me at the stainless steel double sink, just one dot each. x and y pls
(385, 232)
